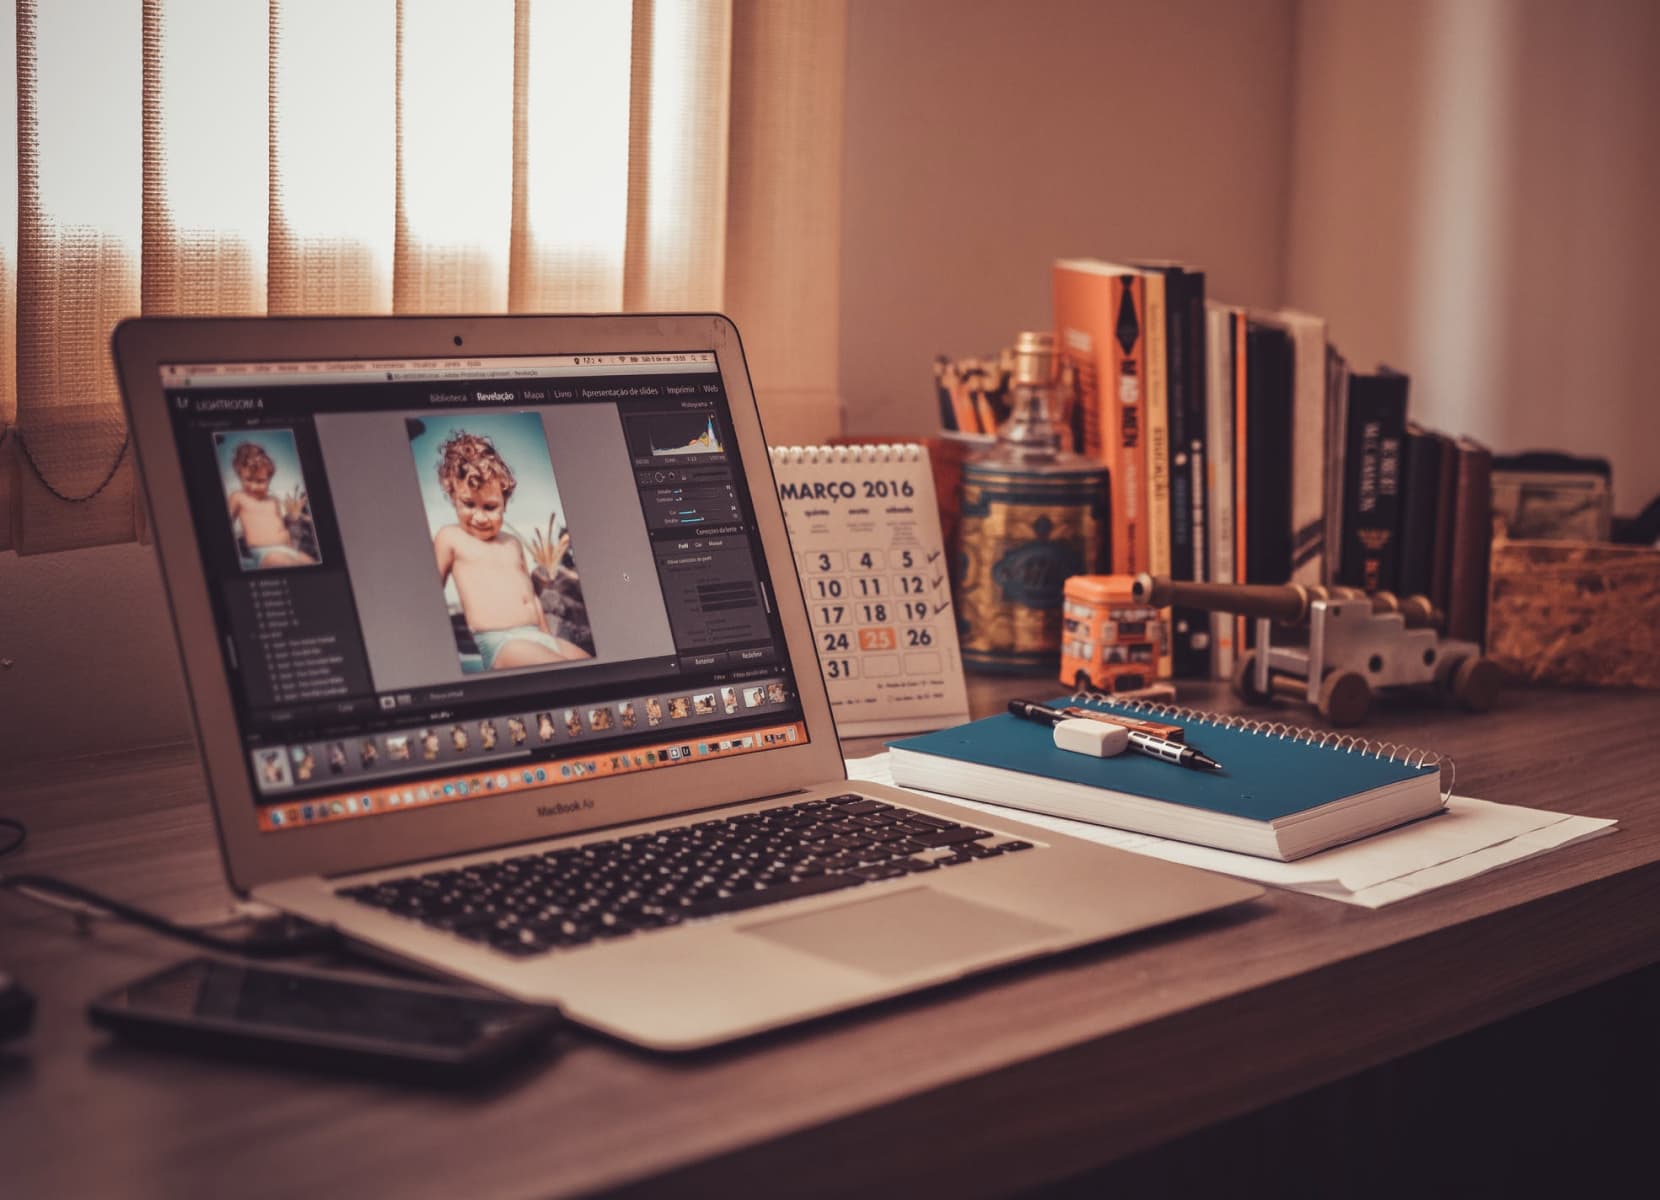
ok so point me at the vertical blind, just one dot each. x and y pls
(408, 156)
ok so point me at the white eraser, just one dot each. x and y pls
(1099, 739)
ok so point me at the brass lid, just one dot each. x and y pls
(1034, 358)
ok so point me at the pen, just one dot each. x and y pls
(1146, 743)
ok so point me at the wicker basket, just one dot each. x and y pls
(1575, 612)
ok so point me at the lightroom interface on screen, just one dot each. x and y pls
(440, 579)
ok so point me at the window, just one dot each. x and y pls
(312, 156)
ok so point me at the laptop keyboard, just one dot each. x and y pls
(534, 903)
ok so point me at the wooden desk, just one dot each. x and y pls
(1025, 1078)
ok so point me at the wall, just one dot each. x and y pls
(92, 662)
(986, 139)
(1474, 193)
(1466, 191)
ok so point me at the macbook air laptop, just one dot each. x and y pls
(500, 667)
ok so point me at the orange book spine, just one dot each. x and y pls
(1124, 394)
(1083, 330)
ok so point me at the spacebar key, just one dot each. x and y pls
(815, 886)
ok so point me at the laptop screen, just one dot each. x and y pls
(436, 580)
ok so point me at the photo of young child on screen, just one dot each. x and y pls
(266, 498)
(514, 602)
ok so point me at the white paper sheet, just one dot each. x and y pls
(1469, 838)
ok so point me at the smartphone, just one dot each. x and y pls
(327, 1019)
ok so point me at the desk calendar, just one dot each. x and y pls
(864, 523)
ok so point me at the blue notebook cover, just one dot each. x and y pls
(1265, 777)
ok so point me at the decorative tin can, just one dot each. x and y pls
(1021, 536)
(1032, 515)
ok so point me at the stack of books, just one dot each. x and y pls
(1243, 449)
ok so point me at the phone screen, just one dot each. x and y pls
(302, 1004)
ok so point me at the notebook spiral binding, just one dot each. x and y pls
(1347, 742)
(864, 452)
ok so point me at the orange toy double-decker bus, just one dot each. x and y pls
(1108, 641)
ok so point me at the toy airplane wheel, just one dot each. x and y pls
(1245, 680)
(1345, 698)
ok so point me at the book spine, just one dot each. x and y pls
(1084, 311)
(1337, 424)
(1220, 535)
(1268, 446)
(1472, 542)
(1122, 416)
(1446, 510)
(1156, 398)
(1241, 424)
(1308, 450)
(1198, 648)
(1185, 311)
(1420, 488)
(1371, 514)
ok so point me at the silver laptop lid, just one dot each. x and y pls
(444, 584)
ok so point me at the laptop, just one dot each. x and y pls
(500, 667)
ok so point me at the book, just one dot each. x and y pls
(1446, 494)
(1420, 498)
(878, 596)
(1337, 442)
(1100, 320)
(1156, 406)
(1306, 449)
(1189, 467)
(1268, 451)
(1219, 411)
(1281, 794)
(1371, 491)
(1472, 541)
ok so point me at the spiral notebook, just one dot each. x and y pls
(1283, 792)
(864, 526)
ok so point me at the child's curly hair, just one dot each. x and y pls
(468, 460)
(250, 458)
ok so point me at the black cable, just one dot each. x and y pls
(20, 835)
(307, 939)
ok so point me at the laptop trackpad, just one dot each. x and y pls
(906, 932)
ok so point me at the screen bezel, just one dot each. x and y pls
(143, 345)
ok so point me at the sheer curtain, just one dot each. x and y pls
(318, 156)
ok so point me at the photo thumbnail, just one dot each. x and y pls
(271, 769)
(265, 496)
(503, 551)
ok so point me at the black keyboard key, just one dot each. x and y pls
(929, 820)
(950, 837)
(878, 871)
(739, 901)
(1014, 845)
(861, 808)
